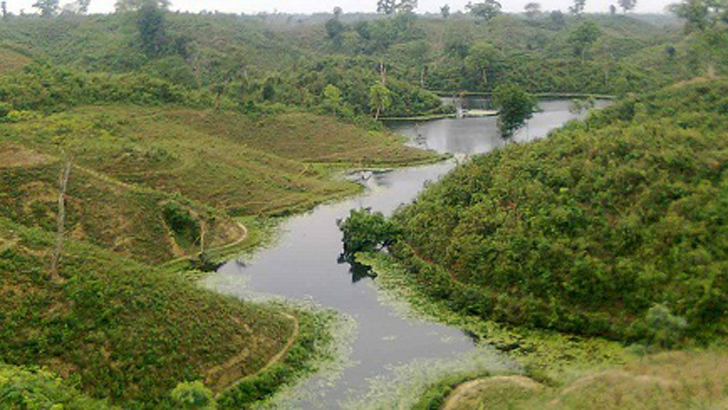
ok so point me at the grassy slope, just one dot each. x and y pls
(11, 61)
(666, 381)
(610, 217)
(123, 330)
(131, 161)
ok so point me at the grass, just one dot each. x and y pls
(120, 329)
(674, 380)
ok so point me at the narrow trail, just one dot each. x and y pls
(227, 375)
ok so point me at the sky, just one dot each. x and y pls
(313, 6)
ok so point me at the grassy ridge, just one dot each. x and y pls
(134, 163)
(121, 329)
(586, 231)
(666, 381)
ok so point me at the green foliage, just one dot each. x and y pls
(586, 231)
(32, 388)
(150, 23)
(514, 105)
(120, 329)
(485, 10)
(365, 231)
(664, 328)
(181, 221)
(193, 395)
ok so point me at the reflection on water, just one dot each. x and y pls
(305, 264)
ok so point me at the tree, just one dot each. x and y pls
(128, 6)
(664, 328)
(334, 103)
(533, 10)
(4, 6)
(151, 26)
(194, 395)
(583, 37)
(483, 59)
(486, 10)
(515, 106)
(612, 10)
(407, 6)
(367, 231)
(47, 8)
(380, 98)
(445, 11)
(386, 6)
(61, 219)
(83, 6)
(627, 5)
(335, 30)
(558, 21)
(578, 7)
(338, 11)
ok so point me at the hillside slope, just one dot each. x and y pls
(123, 330)
(150, 182)
(587, 231)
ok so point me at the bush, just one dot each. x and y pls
(194, 395)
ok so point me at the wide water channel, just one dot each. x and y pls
(304, 262)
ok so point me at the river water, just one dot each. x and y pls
(304, 263)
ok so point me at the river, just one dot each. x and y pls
(303, 264)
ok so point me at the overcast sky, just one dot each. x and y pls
(312, 6)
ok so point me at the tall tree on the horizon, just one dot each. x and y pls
(445, 11)
(627, 5)
(47, 8)
(4, 6)
(487, 9)
(386, 6)
(578, 7)
(151, 26)
(532, 9)
(127, 6)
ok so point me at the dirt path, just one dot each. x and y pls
(455, 399)
(227, 375)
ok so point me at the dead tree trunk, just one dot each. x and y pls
(61, 220)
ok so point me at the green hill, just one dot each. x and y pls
(123, 330)
(587, 231)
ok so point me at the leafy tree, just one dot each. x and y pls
(445, 11)
(335, 31)
(380, 98)
(386, 6)
(334, 103)
(338, 11)
(193, 396)
(515, 106)
(486, 10)
(483, 59)
(4, 7)
(47, 8)
(627, 5)
(407, 6)
(664, 328)
(583, 37)
(127, 6)
(612, 10)
(557, 19)
(365, 231)
(532, 9)
(578, 7)
(151, 26)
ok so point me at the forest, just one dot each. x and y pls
(142, 149)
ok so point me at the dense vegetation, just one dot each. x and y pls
(611, 227)
(120, 329)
